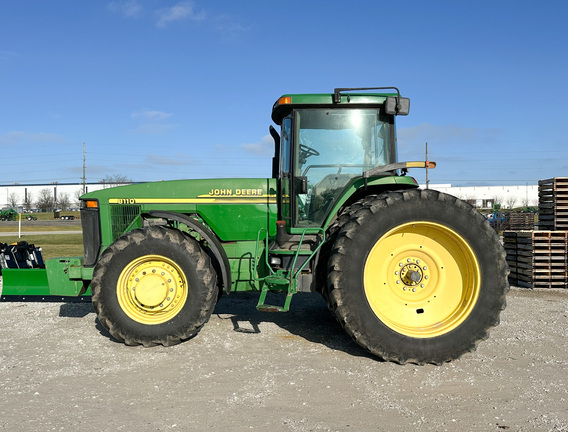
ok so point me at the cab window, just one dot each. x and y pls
(333, 146)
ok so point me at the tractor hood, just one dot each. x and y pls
(234, 209)
(219, 191)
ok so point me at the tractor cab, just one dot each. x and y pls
(327, 141)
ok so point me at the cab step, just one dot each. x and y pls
(283, 280)
(261, 306)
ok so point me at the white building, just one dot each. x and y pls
(23, 194)
(486, 196)
(479, 196)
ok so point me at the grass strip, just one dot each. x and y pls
(52, 245)
(31, 227)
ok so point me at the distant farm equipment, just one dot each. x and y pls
(20, 255)
(58, 215)
(8, 214)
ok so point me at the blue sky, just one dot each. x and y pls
(161, 89)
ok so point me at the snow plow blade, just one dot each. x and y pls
(61, 277)
(24, 282)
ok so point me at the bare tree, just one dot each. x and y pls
(45, 200)
(28, 201)
(64, 201)
(13, 200)
(77, 195)
(525, 202)
(115, 180)
(510, 201)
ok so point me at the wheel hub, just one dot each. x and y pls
(151, 289)
(411, 275)
(153, 285)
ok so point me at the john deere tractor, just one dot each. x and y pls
(8, 214)
(412, 275)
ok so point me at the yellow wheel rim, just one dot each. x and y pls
(152, 289)
(422, 279)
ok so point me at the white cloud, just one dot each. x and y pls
(152, 122)
(150, 115)
(178, 159)
(229, 27)
(153, 128)
(434, 132)
(8, 55)
(128, 8)
(180, 11)
(264, 147)
(19, 137)
(447, 133)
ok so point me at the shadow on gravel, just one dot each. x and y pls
(75, 310)
(104, 332)
(308, 318)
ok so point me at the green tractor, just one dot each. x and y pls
(412, 275)
(8, 215)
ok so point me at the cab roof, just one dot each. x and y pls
(285, 103)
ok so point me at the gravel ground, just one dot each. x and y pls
(298, 371)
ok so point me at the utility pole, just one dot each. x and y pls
(427, 181)
(54, 196)
(84, 178)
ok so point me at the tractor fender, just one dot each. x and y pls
(358, 189)
(214, 243)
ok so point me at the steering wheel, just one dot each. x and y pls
(306, 152)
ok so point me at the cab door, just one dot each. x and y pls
(285, 174)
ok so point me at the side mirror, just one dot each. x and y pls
(397, 105)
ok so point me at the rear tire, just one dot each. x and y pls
(154, 286)
(417, 276)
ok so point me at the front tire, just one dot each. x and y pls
(154, 286)
(417, 276)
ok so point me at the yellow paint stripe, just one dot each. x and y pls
(235, 196)
(223, 200)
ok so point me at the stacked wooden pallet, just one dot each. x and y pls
(537, 259)
(553, 204)
(510, 244)
(518, 221)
